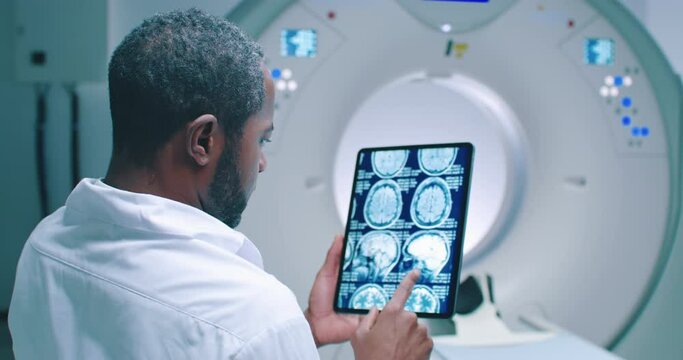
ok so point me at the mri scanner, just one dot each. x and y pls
(575, 115)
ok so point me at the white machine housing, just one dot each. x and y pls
(581, 207)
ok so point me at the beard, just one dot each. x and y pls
(227, 199)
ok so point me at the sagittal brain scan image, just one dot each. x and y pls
(437, 161)
(431, 203)
(407, 211)
(368, 296)
(427, 250)
(422, 300)
(384, 204)
(376, 254)
(388, 163)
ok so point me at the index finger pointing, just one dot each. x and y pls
(404, 289)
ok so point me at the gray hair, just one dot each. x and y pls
(175, 67)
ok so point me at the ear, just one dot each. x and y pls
(201, 136)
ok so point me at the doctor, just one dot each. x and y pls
(145, 263)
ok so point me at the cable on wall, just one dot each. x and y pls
(75, 134)
(41, 120)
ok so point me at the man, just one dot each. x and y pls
(146, 264)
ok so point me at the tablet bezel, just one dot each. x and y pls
(462, 222)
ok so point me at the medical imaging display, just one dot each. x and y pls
(436, 161)
(376, 254)
(383, 205)
(407, 210)
(369, 295)
(422, 300)
(298, 43)
(427, 250)
(387, 164)
(598, 51)
(348, 254)
(431, 204)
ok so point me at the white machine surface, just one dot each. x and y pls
(576, 183)
(563, 346)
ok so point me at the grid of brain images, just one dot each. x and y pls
(385, 240)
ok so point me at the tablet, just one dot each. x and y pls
(408, 210)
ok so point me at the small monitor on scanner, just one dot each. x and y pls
(408, 210)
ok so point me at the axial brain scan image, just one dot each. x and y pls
(407, 211)
(383, 205)
(388, 163)
(368, 296)
(423, 300)
(437, 160)
(376, 254)
(427, 250)
(431, 203)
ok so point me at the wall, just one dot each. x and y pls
(19, 207)
(18, 195)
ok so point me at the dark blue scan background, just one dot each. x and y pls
(457, 178)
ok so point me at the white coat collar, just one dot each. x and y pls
(94, 199)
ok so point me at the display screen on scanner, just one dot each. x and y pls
(408, 210)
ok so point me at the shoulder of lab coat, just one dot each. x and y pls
(149, 275)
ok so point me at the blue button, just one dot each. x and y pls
(645, 131)
(626, 101)
(635, 131)
(618, 80)
(626, 120)
(276, 73)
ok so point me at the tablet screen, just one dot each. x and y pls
(408, 210)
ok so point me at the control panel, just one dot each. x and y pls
(295, 45)
(619, 84)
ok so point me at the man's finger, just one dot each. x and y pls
(370, 319)
(405, 288)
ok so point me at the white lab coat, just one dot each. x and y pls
(121, 275)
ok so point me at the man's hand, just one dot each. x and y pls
(394, 333)
(327, 326)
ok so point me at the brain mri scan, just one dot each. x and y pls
(377, 252)
(367, 296)
(383, 205)
(389, 163)
(427, 250)
(422, 299)
(353, 208)
(431, 203)
(407, 211)
(436, 161)
(348, 254)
